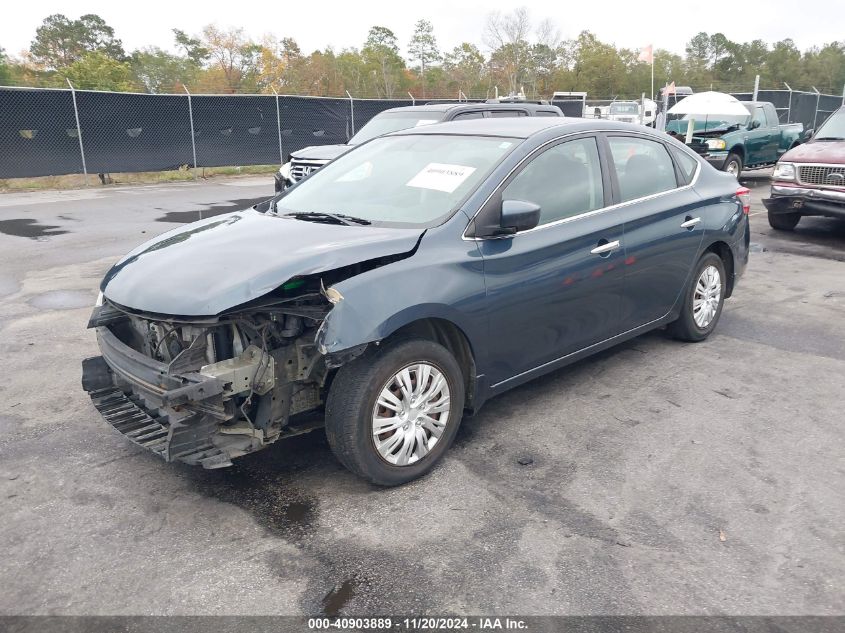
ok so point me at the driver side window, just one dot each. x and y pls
(565, 181)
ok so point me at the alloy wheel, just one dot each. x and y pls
(708, 294)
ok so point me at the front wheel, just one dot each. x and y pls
(703, 300)
(392, 413)
(733, 165)
(784, 221)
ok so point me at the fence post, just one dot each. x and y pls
(789, 113)
(756, 87)
(279, 127)
(816, 115)
(351, 111)
(191, 118)
(78, 131)
(413, 101)
(843, 94)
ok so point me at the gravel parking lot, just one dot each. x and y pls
(662, 478)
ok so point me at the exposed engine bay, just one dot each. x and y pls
(204, 391)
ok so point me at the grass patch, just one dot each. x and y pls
(78, 181)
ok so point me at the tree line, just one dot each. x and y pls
(516, 54)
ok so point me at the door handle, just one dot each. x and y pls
(690, 222)
(606, 248)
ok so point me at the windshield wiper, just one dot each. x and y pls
(319, 216)
(829, 138)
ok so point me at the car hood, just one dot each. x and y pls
(207, 267)
(817, 152)
(321, 152)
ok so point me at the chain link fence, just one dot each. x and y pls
(49, 132)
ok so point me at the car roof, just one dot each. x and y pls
(521, 127)
(448, 107)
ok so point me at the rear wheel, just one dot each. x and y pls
(703, 300)
(784, 221)
(733, 165)
(391, 414)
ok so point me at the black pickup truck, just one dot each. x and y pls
(308, 160)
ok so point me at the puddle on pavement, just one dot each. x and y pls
(63, 300)
(338, 597)
(183, 217)
(263, 494)
(27, 227)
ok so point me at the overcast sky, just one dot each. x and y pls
(628, 23)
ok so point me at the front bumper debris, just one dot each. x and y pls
(806, 201)
(177, 416)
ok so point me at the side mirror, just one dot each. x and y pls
(519, 215)
(753, 125)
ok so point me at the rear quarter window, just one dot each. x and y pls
(687, 165)
(545, 113)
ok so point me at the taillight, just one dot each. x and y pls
(744, 195)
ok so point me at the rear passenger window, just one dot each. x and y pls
(564, 180)
(468, 115)
(687, 164)
(507, 113)
(643, 167)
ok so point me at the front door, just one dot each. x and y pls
(554, 289)
(757, 140)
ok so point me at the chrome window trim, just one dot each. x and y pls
(586, 214)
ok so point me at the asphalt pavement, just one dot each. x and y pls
(655, 478)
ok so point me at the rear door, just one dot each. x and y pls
(662, 227)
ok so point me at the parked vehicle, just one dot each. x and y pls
(308, 160)
(739, 141)
(624, 112)
(810, 179)
(408, 282)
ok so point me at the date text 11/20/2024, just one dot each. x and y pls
(417, 624)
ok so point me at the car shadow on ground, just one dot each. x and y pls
(265, 483)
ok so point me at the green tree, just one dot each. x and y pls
(160, 71)
(381, 54)
(423, 48)
(5, 71)
(464, 67)
(783, 64)
(192, 47)
(60, 41)
(824, 67)
(98, 71)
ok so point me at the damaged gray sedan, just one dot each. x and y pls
(406, 283)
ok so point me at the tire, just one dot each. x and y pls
(784, 221)
(733, 165)
(686, 327)
(351, 410)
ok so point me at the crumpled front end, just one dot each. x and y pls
(206, 390)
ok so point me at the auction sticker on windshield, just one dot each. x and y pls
(441, 177)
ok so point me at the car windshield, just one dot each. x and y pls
(833, 128)
(403, 181)
(393, 122)
(624, 108)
